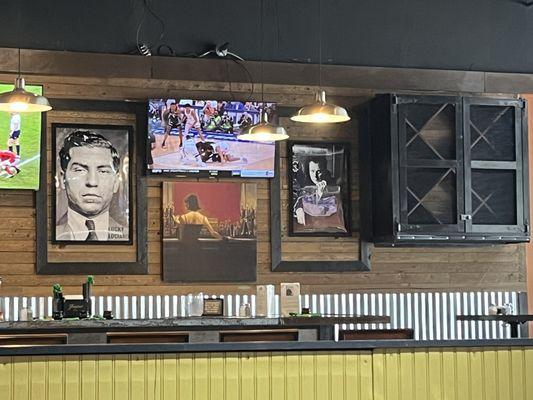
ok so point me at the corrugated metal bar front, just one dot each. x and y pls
(383, 374)
(453, 374)
(250, 376)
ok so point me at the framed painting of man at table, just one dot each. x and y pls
(319, 190)
(209, 231)
(91, 200)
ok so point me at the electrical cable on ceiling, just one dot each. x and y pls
(164, 49)
(221, 51)
(144, 48)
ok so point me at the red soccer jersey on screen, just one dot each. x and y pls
(6, 155)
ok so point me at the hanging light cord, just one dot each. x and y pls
(262, 55)
(19, 65)
(320, 44)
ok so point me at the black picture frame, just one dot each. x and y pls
(344, 176)
(213, 308)
(140, 265)
(279, 265)
(128, 129)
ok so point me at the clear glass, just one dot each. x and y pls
(195, 305)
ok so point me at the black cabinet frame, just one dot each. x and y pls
(383, 124)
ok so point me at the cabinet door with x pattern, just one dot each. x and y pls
(495, 165)
(431, 187)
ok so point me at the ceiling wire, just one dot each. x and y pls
(143, 47)
(262, 52)
(320, 44)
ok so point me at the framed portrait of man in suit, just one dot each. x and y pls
(92, 184)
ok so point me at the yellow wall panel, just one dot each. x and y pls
(55, 378)
(277, 375)
(247, 375)
(169, 373)
(104, 381)
(518, 375)
(38, 378)
(121, 377)
(263, 366)
(395, 374)
(21, 378)
(453, 374)
(6, 378)
(88, 378)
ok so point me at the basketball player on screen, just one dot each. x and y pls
(173, 119)
(192, 121)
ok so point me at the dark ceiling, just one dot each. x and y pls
(482, 35)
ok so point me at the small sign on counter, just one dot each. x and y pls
(289, 299)
(213, 307)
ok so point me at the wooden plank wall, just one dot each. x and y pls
(439, 268)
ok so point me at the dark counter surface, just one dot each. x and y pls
(324, 345)
(188, 323)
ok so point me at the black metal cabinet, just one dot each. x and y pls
(445, 169)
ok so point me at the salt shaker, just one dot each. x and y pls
(26, 314)
(245, 310)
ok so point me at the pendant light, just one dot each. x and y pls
(263, 131)
(19, 100)
(320, 111)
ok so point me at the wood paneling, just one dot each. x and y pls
(436, 268)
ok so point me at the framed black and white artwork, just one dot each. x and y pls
(319, 189)
(92, 184)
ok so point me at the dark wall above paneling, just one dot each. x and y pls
(481, 35)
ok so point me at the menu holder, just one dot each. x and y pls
(213, 308)
(289, 298)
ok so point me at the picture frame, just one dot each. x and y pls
(209, 231)
(138, 266)
(20, 158)
(278, 264)
(92, 184)
(319, 201)
(213, 308)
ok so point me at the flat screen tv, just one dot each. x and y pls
(199, 138)
(20, 146)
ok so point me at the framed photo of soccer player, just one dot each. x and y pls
(20, 145)
(319, 189)
(92, 184)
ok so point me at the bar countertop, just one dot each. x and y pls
(322, 345)
(186, 323)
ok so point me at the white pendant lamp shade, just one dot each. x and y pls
(19, 100)
(264, 131)
(321, 112)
